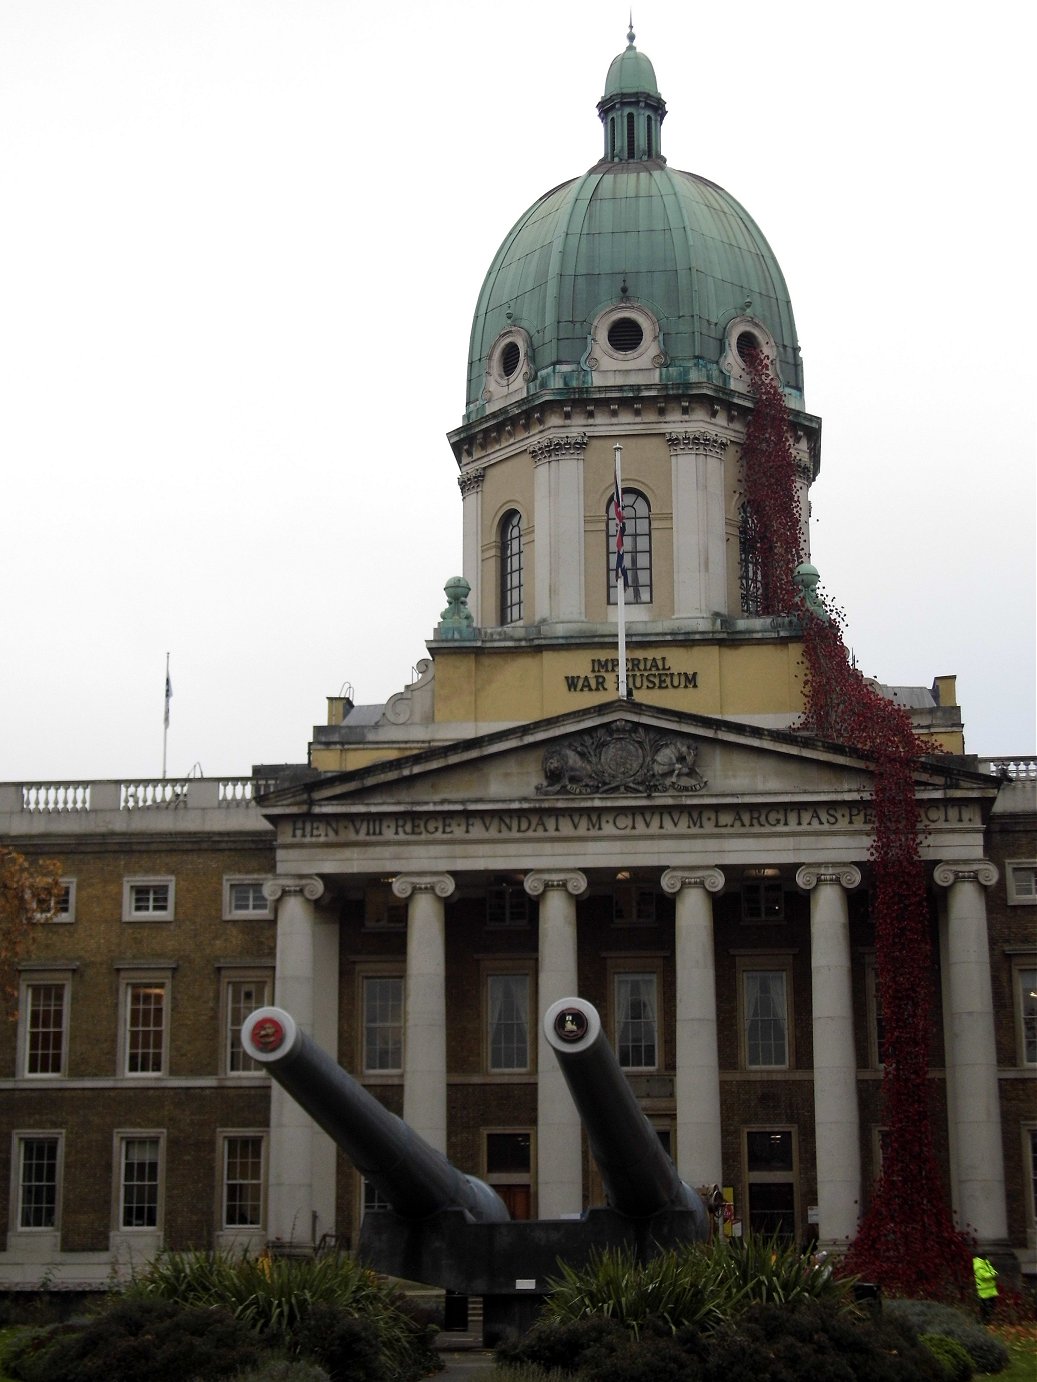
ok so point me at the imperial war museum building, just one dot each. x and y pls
(509, 830)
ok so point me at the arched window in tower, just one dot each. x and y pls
(510, 550)
(612, 136)
(650, 133)
(748, 561)
(631, 145)
(637, 549)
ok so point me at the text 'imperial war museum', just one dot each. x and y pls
(508, 830)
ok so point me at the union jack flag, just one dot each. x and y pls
(617, 512)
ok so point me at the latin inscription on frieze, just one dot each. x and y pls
(677, 820)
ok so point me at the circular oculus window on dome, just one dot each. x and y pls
(509, 359)
(625, 335)
(747, 345)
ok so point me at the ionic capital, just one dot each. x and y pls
(846, 875)
(702, 443)
(404, 884)
(673, 880)
(980, 871)
(306, 886)
(571, 880)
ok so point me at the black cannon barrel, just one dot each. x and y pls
(413, 1177)
(639, 1177)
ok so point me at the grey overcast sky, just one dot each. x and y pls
(240, 245)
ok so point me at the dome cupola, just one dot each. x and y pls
(632, 273)
(631, 110)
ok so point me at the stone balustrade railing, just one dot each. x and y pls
(1016, 769)
(143, 794)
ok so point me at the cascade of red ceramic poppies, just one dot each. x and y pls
(906, 1241)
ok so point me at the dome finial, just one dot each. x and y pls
(630, 31)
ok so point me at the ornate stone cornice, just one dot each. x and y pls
(572, 880)
(404, 884)
(673, 880)
(846, 875)
(707, 443)
(470, 481)
(308, 886)
(568, 444)
(980, 871)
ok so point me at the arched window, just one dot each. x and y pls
(612, 137)
(510, 549)
(631, 143)
(637, 548)
(748, 561)
(651, 137)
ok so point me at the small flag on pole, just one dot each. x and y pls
(617, 511)
(169, 695)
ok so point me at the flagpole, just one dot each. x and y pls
(621, 575)
(165, 717)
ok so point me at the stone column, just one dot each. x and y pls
(837, 1131)
(424, 1019)
(697, 1085)
(558, 569)
(301, 1198)
(470, 484)
(559, 1132)
(977, 1157)
(699, 535)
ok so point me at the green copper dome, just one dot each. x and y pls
(632, 231)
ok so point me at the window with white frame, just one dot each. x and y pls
(509, 547)
(243, 1180)
(43, 1014)
(876, 1023)
(507, 1004)
(633, 905)
(382, 1006)
(140, 1180)
(145, 1020)
(637, 1021)
(38, 1159)
(763, 899)
(1026, 1010)
(508, 904)
(148, 899)
(65, 905)
(244, 899)
(1021, 882)
(242, 994)
(765, 1018)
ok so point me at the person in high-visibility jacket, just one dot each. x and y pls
(986, 1285)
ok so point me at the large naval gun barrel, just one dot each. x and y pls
(415, 1179)
(639, 1178)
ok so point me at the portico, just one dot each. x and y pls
(720, 923)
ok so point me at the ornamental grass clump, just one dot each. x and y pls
(328, 1308)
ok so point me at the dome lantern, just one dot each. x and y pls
(631, 110)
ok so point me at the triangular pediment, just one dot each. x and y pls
(623, 750)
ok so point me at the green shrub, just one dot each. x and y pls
(276, 1297)
(283, 1370)
(817, 1340)
(987, 1352)
(651, 1359)
(563, 1345)
(130, 1339)
(957, 1365)
(677, 1289)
